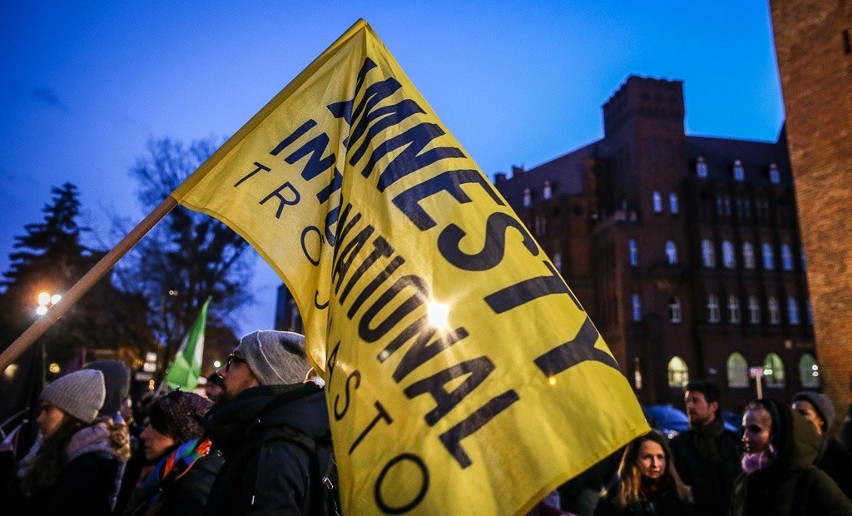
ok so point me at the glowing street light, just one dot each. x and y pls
(45, 301)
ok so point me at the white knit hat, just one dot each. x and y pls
(275, 357)
(79, 394)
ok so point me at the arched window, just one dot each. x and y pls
(786, 257)
(774, 175)
(678, 372)
(658, 202)
(548, 190)
(713, 315)
(728, 258)
(634, 252)
(527, 197)
(793, 310)
(774, 311)
(739, 171)
(671, 253)
(675, 311)
(753, 310)
(773, 371)
(808, 371)
(701, 167)
(768, 257)
(673, 205)
(733, 308)
(708, 256)
(748, 255)
(737, 370)
(637, 308)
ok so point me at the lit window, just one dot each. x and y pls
(708, 256)
(773, 371)
(739, 171)
(548, 190)
(753, 310)
(675, 312)
(671, 253)
(774, 175)
(748, 255)
(737, 370)
(808, 371)
(527, 197)
(786, 257)
(793, 310)
(733, 309)
(637, 308)
(634, 252)
(658, 202)
(774, 311)
(768, 257)
(726, 201)
(713, 314)
(673, 205)
(728, 258)
(678, 372)
(701, 167)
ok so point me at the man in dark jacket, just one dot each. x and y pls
(265, 401)
(707, 456)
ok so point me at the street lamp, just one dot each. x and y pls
(45, 301)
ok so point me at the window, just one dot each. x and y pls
(637, 308)
(728, 258)
(748, 255)
(733, 309)
(708, 256)
(540, 224)
(739, 171)
(675, 312)
(673, 206)
(557, 261)
(773, 371)
(737, 370)
(808, 371)
(671, 253)
(786, 257)
(527, 197)
(753, 310)
(793, 310)
(548, 190)
(701, 167)
(768, 257)
(634, 252)
(774, 311)
(713, 315)
(658, 202)
(678, 372)
(774, 175)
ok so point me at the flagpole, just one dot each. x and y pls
(38, 328)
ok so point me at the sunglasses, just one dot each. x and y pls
(231, 359)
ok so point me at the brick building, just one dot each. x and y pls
(813, 44)
(685, 250)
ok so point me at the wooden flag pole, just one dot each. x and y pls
(38, 328)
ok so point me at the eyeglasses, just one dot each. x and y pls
(231, 359)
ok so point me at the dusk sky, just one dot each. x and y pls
(85, 85)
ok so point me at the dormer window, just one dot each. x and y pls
(548, 190)
(527, 197)
(774, 174)
(739, 171)
(701, 167)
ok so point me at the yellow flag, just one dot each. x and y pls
(463, 377)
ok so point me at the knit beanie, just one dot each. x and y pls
(178, 415)
(117, 382)
(823, 406)
(79, 394)
(275, 357)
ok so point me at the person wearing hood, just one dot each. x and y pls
(779, 477)
(77, 465)
(264, 401)
(832, 457)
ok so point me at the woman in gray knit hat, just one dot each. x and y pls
(75, 469)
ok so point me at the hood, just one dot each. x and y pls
(794, 437)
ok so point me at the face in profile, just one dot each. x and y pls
(698, 410)
(155, 444)
(49, 419)
(807, 409)
(757, 430)
(652, 460)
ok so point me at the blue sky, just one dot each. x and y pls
(85, 85)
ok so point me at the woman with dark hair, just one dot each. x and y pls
(778, 475)
(647, 482)
(75, 468)
(183, 467)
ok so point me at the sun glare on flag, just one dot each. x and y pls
(439, 315)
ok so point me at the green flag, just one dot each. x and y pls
(186, 368)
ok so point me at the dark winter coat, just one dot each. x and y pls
(837, 462)
(712, 480)
(664, 502)
(265, 473)
(791, 484)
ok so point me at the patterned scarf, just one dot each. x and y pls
(173, 466)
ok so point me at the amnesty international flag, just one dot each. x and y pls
(463, 376)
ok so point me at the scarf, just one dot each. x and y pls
(705, 438)
(756, 461)
(170, 468)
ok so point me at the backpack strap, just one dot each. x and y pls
(324, 492)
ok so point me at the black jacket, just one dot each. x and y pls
(837, 462)
(85, 486)
(664, 502)
(264, 472)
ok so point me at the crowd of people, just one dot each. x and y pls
(249, 446)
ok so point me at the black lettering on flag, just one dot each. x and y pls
(258, 168)
(348, 255)
(344, 109)
(412, 157)
(345, 225)
(416, 499)
(381, 414)
(302, 129)
(418, 297)
(492, 249)
(385, 117)
(332, 361)
(371, 287)
(529, 290)
(381, 249)
(292, 201)
(452, 438)
(420, 351)
(314, 148)
(339, 413)
(580, 349)
(476, 370)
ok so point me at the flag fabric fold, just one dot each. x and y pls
(462, 374)
(186, 368)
